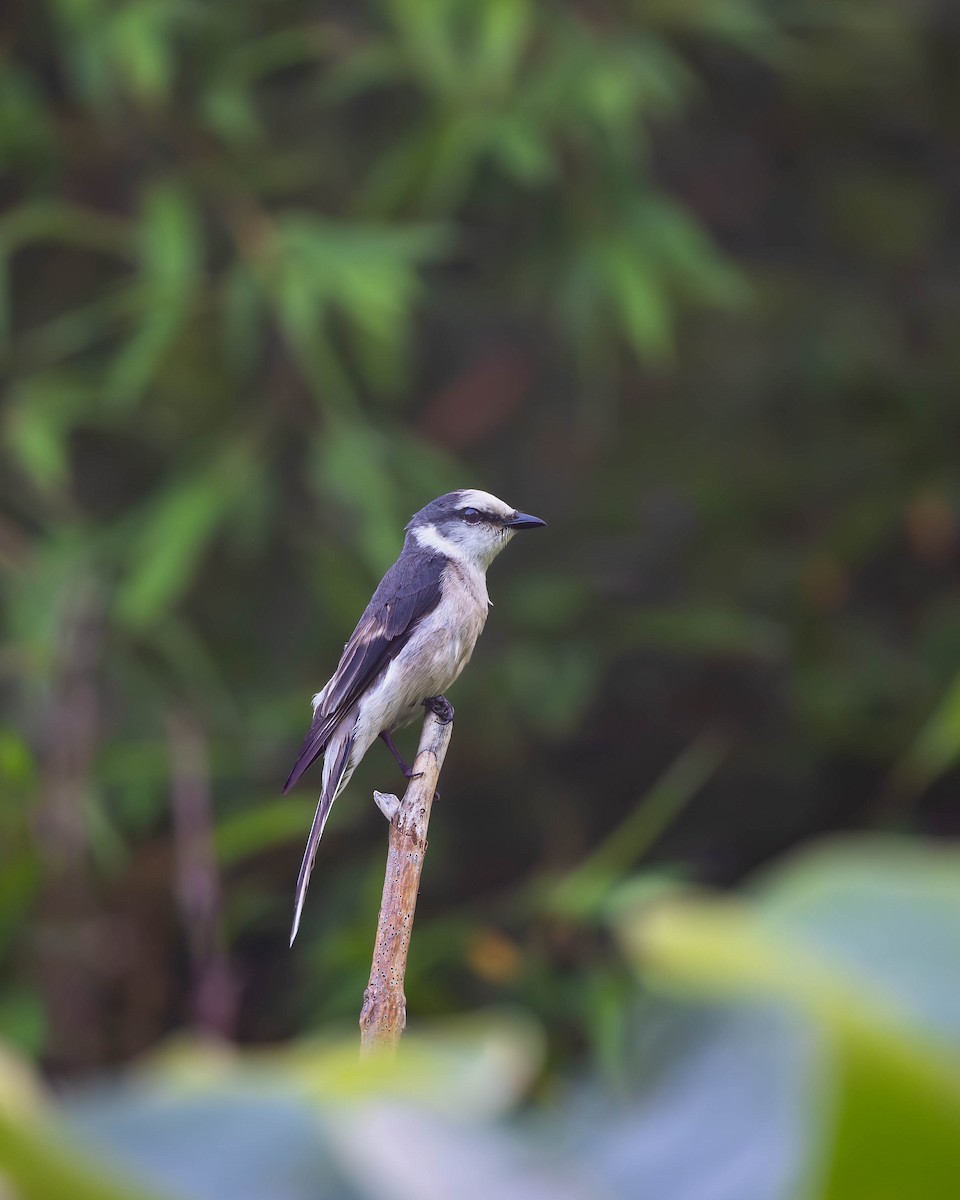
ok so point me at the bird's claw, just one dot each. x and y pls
(441, 707)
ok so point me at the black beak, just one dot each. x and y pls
(523, 521)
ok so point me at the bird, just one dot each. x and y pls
(413, 640)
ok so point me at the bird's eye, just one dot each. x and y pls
(471, 515)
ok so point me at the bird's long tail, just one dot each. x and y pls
(334, 769)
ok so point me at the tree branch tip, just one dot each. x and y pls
(388, 803)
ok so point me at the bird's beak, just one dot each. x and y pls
(523, 521)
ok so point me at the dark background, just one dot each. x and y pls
(681, 278)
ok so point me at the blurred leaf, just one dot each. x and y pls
(689, 260)
(639, 303)
(170, 264)
(40, 418)
(139, 37)
(38, 442)
(228, 110)
(36, 1158)
(271, 822)
(318, 1104)
(16, 760)
(886, 908)
(503, 29)
(428, 30)
(897, 1101)
(60, 221)
(24, 1024)
(521, 151)
(586, 889)
(366, 275)
(77, 330)
(173, 533)
(935, 749)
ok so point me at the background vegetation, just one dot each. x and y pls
(682, 278)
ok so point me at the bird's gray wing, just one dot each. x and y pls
(407, 593)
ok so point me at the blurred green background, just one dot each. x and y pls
(683, 278)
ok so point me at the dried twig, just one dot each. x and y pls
(384, 1013)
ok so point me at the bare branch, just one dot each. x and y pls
(384, 1013)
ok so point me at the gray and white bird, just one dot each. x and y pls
(414, 639)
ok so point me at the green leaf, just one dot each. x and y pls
(428, 29)
(172, 534)
(38, 1158)
(502, 31)
(171, 256)
(17, 764)
(368, 275)
(36, 429)
(935, 749)
(140, 46)
(267, 823)
(638, 301)
(587, 889)
(891, 1114)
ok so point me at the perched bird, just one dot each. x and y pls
(414, 639)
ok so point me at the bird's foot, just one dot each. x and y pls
(388, 804)
(441, 707)
(408, 771)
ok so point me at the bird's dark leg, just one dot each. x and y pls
(408, 771)
(441, 707)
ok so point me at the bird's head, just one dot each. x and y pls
(469, 525)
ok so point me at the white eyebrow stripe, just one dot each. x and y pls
(430, 538)
(474, 498)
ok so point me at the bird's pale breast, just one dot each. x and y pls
(432, 659)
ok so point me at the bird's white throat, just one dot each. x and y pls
(472, 549)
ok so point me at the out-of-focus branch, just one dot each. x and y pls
(384, 1012)
(198, 879)
(71, 959)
